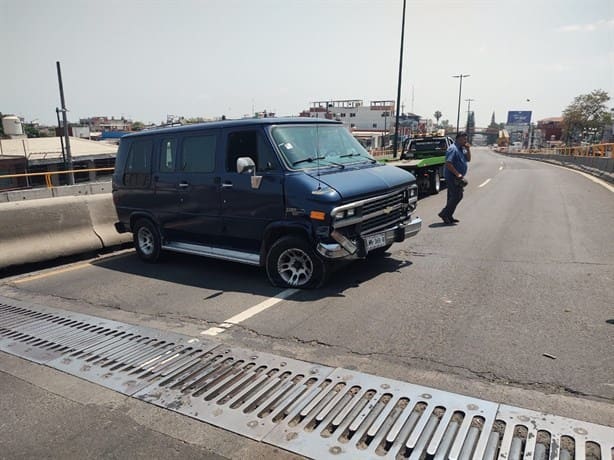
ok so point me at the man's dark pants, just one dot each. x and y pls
(455, 195)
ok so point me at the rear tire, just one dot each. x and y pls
(292, 263)
(147, 241)
(435, 182)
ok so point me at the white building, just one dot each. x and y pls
(377, 116)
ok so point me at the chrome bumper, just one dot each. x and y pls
(346, 249)
(413, 227)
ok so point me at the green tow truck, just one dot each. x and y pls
(425, 157)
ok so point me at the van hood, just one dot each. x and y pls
(361, 182)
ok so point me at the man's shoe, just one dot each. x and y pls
(446, 219)
(455, 221)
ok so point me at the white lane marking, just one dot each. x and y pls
(484, 183)
(236, 319)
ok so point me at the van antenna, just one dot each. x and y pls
(318, 155)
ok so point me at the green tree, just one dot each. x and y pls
(31, 130)
(437, 116)
(585, 118)
(470, 125)
(492, 132)
(137, 126)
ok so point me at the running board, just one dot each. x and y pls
(217, 253)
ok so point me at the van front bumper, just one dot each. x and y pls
(343, 248)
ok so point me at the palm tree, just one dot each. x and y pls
(437, 116)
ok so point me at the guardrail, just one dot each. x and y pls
(48, 174)
(597, 160)
(596, 150)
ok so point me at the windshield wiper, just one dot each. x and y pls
(348, 155)
(311, 160)
(307, 160)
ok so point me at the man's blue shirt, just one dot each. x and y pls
(456, 156)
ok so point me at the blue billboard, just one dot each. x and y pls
(519, 117)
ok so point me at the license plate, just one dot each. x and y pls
(375, 241)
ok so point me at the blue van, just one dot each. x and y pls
(290, 194)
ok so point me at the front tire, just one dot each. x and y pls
(147, 241)
(292, 263)
(435, 182)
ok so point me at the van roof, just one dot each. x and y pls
(233, 124)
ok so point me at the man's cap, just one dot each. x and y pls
(461, 134)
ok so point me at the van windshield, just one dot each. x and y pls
(305, 147)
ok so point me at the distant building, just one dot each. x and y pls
(551, 129)
(377, 116)
(102, 124)
(45, 154)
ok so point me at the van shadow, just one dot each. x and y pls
(223, 276)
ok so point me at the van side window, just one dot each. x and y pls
(198, 154)
(250, 144)
(138, 164)
(168, 155)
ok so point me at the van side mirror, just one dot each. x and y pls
(246, 164)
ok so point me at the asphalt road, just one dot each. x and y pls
(518, 294)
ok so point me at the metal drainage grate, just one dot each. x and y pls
(309, 409)
(525, 433)
(116, 355)
(240, 390)
(362, 416)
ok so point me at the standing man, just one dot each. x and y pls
(457, 157)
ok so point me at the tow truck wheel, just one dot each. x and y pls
(435, 182)
(292, 263)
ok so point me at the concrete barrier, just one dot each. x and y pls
(38, 230)
(87, 188)
(600, 167)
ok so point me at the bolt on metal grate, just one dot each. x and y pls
(310, 409)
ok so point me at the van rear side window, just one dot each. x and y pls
(138, 164)
(168, 153)
(198, 154)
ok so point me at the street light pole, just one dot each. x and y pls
(460, 89)
(71, 175)
(396, 122)
(57, 113)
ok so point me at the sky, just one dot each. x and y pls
(145, 60)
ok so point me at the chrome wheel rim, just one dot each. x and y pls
(146, 241)
(295, 267)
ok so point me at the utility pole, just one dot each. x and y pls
(71, 175)
(460, 89)
(396, 121)
(57, 113)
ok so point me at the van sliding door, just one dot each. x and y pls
(197, 189)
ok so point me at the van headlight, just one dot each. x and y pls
(345, 214)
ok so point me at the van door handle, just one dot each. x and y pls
(227, 185)
(183, 185)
